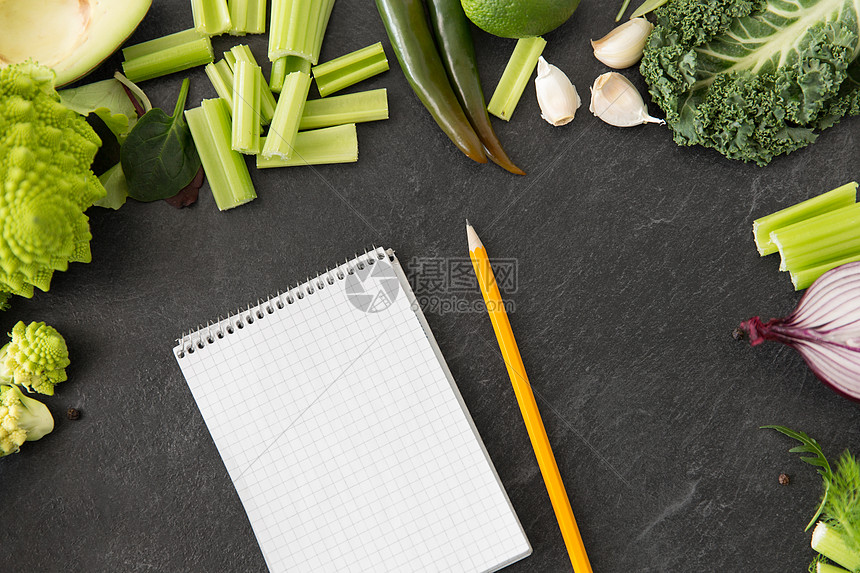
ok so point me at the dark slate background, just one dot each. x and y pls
(635, 263)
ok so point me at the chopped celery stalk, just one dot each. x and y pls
(166, 55)
(350, 108)
(226, 170)
(211, 17)
(804, 278)
(248, 17)
(762, 228)
(288, 114)
(230, 59)
(337, 144)
(296, 28)
(832, 545)
(819, 239)
(828, 568)
(267, 101)
(221, 77)
(246, 108)
(515, 77)
(350, 69)
(286, 65)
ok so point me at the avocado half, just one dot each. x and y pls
(70, 36)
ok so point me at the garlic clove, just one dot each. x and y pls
(623, 46)
(557, 97)
(617, 102)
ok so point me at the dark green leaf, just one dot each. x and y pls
(159, 157)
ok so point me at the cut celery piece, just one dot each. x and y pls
(818, 240)
(288, 114)
(246, 108)
(804, 278)
(828, 568)
(830, 543)
(337, 144)
(221, 77)
(166, 55)
(230, 59)
(350, 108)
(267, 101)
(350, 69)
(515, 77)
(297, 27)
(226, 170)
(211, 17)
(286, 65)
(247, 17)
(322, 24)
(762, 228)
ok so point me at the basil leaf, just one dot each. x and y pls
(159, 157)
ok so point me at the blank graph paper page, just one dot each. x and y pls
(344, 434)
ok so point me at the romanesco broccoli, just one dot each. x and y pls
(22, 419)
(45, 180)
(35, 359)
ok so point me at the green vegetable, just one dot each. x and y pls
(297, 28)
(108, 100)
(4, 300)
(248, 17)
(159, 157)
(358, 107)
(225, 169)
(284, 66)
(116, 188)
(822, 567)
(288, 114)
(246, 108)
(515, 77)
(35, 359)
(221, 76)
(827, 237)
(415, 48)
(454, 39)
(337, 144)
(167, 55)
(45, 180)
(350, 69)
(267, 100)
(622, 10)
(645, 8)
(762, 228)
(754, 80)
(211, 17)
(22, 419)
(804, 278)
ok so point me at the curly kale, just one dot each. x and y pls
(754, 79)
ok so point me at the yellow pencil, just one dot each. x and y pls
(528, 406)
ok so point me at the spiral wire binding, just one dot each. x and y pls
(212, 331)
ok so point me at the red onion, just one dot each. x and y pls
(824, 329)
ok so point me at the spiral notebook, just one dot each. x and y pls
(344, 432)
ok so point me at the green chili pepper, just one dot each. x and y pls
(458, 54)
(409, 32)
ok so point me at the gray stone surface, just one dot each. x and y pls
(635, 263)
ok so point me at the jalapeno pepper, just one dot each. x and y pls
(407, 27)
(454, 39)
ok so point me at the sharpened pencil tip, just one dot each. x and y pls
(467, 223)
(474, 241)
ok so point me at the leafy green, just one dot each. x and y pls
(116, 186)
(754, 79)
(646, 7)
(159, 157)
(817, 459)
(842, 507)
(108, 100)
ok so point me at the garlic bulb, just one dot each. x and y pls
(615, 100)
(556, 96)
(622, 47)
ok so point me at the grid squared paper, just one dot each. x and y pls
(347, 440)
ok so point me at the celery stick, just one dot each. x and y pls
(347, 70)
(246, 108)
(225, 169)
(351, 108)
(830, 543)
(804, 278)
(288, 114)
(267, 105)
(230, 59)
(828, 568)
(286, 65)
(221, 77)
(762, 228)
(166, 55)
(322, 24)
(296, 28)
(337, 144)
(828, 251)
(248, 17)
(807, 243)
(211, 17)
(515, 77)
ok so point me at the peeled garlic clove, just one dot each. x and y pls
(615, 100)
(556, 96)
(623, 46)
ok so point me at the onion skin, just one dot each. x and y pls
(824, 329)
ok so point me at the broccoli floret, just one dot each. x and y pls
(22, 419)
(45, 180)
(35, 359)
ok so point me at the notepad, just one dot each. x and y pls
(344, 433)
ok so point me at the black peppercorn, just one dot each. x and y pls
(783, 479)
(73, 414)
